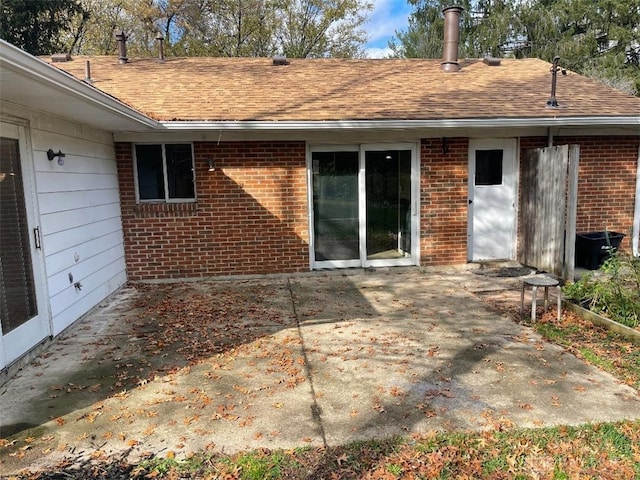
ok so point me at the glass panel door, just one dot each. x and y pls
(364, 213)
(335, 208)
(388, 204)
(17, 289)
(23, 314)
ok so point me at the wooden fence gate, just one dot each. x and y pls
(548, 209)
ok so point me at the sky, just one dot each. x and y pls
(387, 17)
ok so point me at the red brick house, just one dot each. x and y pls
(146, 169)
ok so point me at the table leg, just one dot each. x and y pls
(559, 293)
(522, 301)
(546, 298)
(534, 298)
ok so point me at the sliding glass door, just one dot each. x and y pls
(364, 206)
(335, 207)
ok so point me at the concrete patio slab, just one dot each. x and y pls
(282, 362)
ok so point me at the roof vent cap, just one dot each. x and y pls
(491, 61)
(279, 60)
(60, 57)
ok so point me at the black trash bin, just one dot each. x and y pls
(593, 248)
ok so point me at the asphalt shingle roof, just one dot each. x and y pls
(253, 89)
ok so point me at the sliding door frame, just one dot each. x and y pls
(362, 261)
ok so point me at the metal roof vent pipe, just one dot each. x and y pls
(87, 72)
(451, 39)
(160, 40)
(553, 101)
(121, 40)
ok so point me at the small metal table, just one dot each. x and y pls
(534, 283)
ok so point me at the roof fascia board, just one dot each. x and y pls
(406, 124)
(26, 64)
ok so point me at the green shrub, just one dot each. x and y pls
(614, 292)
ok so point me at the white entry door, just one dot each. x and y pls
(493, 180)
(24, 321)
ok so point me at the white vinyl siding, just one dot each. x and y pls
(80, 220)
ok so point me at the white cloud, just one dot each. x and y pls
(375, 52)
(387, 17)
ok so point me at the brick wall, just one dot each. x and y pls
(250, 216)
(443, 204)
(606, 181)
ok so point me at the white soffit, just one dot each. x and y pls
(29, 82)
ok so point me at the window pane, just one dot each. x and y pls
(335, 205)
(17, 289)
(488, 167)
(150, 177)
(388, 188)
(179, 171)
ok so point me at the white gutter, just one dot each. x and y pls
(635, 239)
(630, 121)
(12, 57)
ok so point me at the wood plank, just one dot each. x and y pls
(68, 239)
(78, 218)
(85, 268)
(52, 202)
(543, 208)
(572, 213)
(68, 258)
(68, 182)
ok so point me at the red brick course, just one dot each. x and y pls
(443, 201)
(250, 216)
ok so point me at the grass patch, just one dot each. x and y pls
(598, 346)
(255, 466)
(607, 450)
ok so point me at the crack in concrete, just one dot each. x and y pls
(316, 411)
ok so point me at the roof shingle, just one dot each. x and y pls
(253, 89)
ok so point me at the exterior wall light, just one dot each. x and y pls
(212, 165)
(51, 155)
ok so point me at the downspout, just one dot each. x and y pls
(635, 239)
